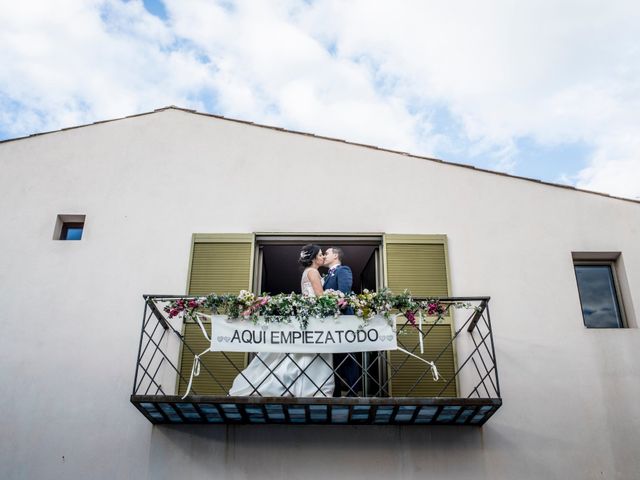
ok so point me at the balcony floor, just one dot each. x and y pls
(204, 409)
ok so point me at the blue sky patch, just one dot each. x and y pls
(552, 163)
(558, 163)
(157, 8)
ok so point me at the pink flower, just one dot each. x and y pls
(173, 312)
(411, 317)
(435, 308)
(192, 304)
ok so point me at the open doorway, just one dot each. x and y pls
(277, 269)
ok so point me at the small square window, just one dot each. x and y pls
(69, 227)
(599, 294)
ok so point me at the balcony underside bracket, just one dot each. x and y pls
(203, 409)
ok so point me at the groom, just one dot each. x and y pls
(345, 365)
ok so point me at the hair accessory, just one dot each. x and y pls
(304, 255)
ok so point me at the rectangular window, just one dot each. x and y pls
(599, 294)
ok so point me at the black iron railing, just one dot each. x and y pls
(392, 387)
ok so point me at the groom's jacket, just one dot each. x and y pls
(340, 278)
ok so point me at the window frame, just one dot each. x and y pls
(611, 263)
(66, 221)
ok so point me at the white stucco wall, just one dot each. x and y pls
(71, 311)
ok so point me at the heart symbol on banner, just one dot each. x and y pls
(389, 338)
(226, 339)
(220, 339)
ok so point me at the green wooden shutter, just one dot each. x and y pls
(421, 268)
(220, 263)
(419, 263)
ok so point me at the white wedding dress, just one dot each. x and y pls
(280, 374)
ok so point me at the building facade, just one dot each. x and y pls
(149, 192)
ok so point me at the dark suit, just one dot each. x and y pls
(348, 370)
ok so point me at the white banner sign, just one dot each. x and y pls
(322, 335)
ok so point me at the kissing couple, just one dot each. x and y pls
(307, 374)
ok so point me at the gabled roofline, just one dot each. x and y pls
(333, 139)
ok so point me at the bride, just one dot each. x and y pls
(291, 374)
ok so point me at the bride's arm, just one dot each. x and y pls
(316, 281)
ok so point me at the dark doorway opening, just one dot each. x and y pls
(279, 271)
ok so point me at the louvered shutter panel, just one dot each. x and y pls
(220, 267)
(421, 268)
(220, 263)
(419, 263)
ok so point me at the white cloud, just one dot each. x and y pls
(373, 72)
(69, 62)
(557, 72)
(615, 166)
(271, 69)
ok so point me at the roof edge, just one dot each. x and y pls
(333, 139)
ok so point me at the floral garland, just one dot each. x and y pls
(283, 307)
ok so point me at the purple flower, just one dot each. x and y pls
(435, 308)
(411, 317)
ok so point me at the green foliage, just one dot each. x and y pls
(287, 307)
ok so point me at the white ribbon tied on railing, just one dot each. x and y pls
(434, 370)
(420, 336)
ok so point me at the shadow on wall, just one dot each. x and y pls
(282, 451)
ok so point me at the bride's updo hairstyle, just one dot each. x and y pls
(307, 254)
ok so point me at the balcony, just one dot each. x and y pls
(395, 388)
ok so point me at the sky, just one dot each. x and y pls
(542, 89)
